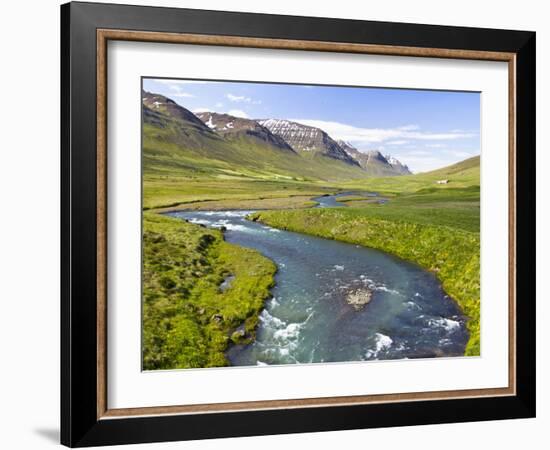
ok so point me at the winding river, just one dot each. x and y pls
(309, 319)
(331, 201)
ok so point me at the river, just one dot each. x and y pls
(308, 319)
(331, 201)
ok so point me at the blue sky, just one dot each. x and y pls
(424, 129)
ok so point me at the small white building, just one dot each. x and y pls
(442, 181)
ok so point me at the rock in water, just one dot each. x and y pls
(359, 298)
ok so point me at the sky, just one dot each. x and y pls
(424, 129)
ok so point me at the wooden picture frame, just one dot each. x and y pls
(86, 418)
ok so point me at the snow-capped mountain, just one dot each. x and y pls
(306, 139)
(398, 165)
(374, 162)
(289, 145)
(232, 127)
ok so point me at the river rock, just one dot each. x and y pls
(359, 298)
(238, 335)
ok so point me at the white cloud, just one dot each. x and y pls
(419, 153)
(461, 153)
(373, 136)
(182, 94)
(409, 127)
(174, 82)
(231, 112)
(219, 105)
(238, 113)
(409, 143)
(237, 98)
(424, 163)
(423, 160)
(176, 87)
(403, 142)
(242, 99)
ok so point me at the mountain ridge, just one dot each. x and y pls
(278, 147)
(374, 162)
(177, 142)
(230, 126)
(307, 139)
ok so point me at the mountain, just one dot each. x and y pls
(177, 142)
(308, 140)
(374, 162)
(361, 158)
(399, 167)
(155, 106)
(232, 127)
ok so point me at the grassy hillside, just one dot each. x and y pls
(170, 151)
(177, 145)
(464, 174)
(188, 320)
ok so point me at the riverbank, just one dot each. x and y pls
(452, 254)
(336, 302)
(200, 293)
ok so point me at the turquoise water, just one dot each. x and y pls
(308, 318)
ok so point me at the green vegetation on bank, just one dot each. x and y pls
(453, 207)
(188, 318)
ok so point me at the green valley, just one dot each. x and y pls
(216, 162)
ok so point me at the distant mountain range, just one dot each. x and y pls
(374, 162)
(306, 139)
(215, 143)
(231, 126)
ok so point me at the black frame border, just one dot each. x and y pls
(79, 424)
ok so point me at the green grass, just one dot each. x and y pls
(464, 174)
(188, 322)
(170, 192)
(453, 207)
(297, 201)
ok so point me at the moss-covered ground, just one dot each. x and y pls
(188, 320)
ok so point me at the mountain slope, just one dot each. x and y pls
(374, 162)
(307, 140)
(155, 104)
(460, 168)
(177, 142)
(232, 127)
(398, 166)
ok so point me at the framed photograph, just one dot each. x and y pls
(277, 224)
